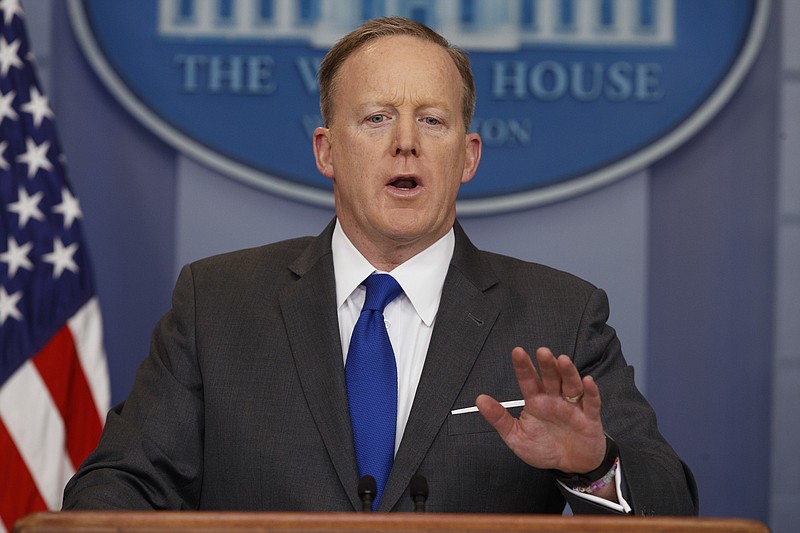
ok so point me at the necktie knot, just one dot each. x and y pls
(381, 290)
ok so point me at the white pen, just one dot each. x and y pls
(474, 408)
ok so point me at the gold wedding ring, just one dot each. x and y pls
(574, 399)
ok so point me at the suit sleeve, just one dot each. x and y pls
(656, 481)
(150, 455)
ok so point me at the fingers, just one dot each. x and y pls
(557, 377)
(527, 377)
(591, 398)
(571, 383)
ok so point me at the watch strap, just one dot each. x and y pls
(587, 478)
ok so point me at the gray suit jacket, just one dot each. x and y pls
(241, 404)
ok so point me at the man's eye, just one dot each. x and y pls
(377, 119)
(432, 121)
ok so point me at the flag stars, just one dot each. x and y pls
(62, 258)
(69, 207)
(16, 256)
(27, 207)
(9, 56)
(38, 107)
(7, 106)
(8, 305)
(35, 156)
(3, 161)
(9, 9)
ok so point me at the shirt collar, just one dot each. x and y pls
(421, 277)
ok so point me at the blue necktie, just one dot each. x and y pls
(371, 374)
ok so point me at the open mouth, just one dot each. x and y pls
(404, 184)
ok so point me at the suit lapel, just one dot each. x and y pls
(309, 311)
(464, 319)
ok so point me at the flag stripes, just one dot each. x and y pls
(23, 497)
(39, 463)
(60, 369)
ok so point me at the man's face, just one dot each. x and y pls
(397, 148)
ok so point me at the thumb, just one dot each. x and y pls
(494, 413)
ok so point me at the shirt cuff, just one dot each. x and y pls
(621, 507)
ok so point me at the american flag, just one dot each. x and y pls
(54, 389)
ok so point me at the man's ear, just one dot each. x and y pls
(322, 151)
(472, 146)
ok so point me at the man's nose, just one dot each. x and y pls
(406, 140)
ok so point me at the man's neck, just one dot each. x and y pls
(387, 254)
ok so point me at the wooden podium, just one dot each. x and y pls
(239, 522)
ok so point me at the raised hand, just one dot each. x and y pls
(559, 427)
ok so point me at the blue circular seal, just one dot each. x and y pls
(571, 94)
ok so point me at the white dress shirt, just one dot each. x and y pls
(409, 319)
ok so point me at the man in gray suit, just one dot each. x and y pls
(242, 403)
